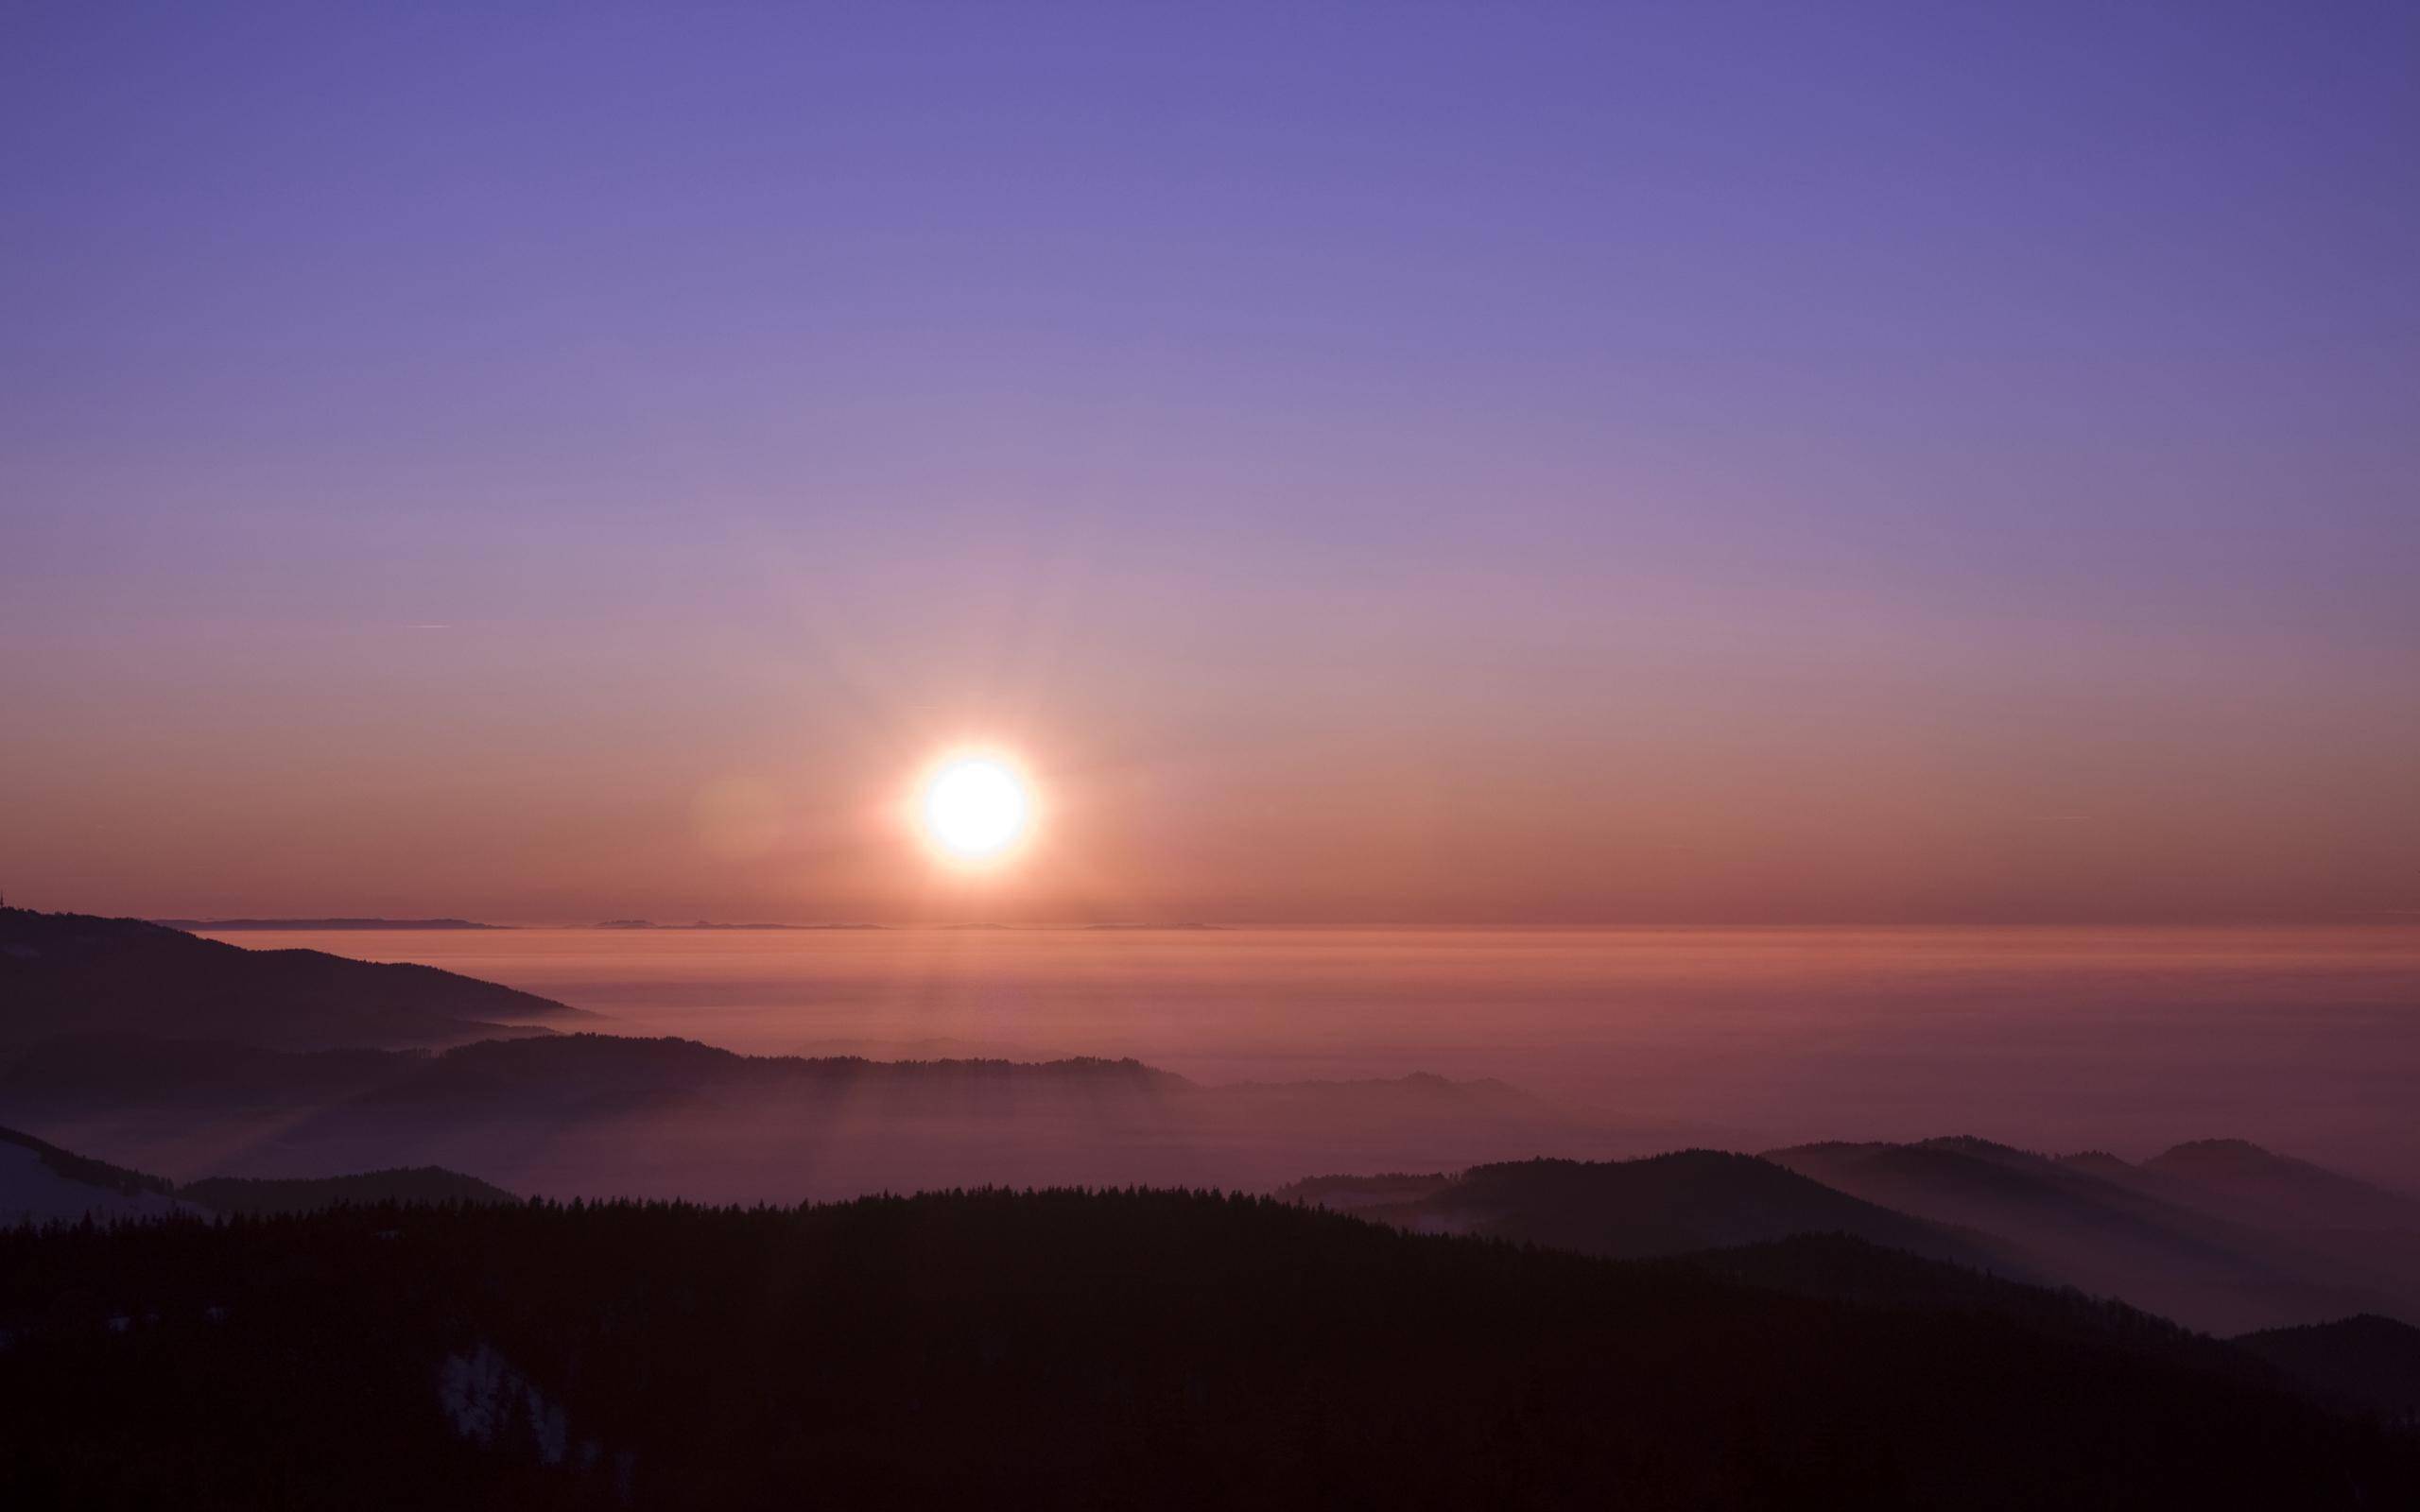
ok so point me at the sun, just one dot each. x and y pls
(974, 808)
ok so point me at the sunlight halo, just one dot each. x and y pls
(975, 806)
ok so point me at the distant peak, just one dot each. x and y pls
(1976, 1145)
(2095, 1161)
(2226, 1149)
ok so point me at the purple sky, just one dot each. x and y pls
(1520, 462)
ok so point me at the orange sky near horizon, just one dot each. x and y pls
(1845, 768)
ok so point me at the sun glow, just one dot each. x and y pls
(974, 808)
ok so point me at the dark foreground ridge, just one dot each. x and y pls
(1129, 1349)
(2368, 1363)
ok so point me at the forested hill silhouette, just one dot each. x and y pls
(2222, 1236)
(1130, 1349)
(68, 973)
(2366, 1364)
(2367, 1361)
(1663, 1205)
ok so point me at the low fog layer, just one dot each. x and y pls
(2126, 1039)
(595, 1115)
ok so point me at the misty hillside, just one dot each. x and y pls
(73, 974)
(581, 1115)
(2239, 1179)
(138, 1072)
(2097, 1222)
(582, 1069)
(1664, 1205)
(1050, 1349)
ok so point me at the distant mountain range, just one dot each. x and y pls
(222, 926)
(596, 1114)
(198, 1059)
(73, 974)
(703, 923)
(707, 923)
(230, 925)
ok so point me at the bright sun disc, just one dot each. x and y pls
(975, 807)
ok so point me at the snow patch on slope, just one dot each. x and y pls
(32, 1192)
(488, 1400)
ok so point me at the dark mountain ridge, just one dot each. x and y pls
(73, 974)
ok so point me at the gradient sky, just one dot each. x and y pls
(1693, 462)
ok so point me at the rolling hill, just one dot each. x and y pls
(2369, 1363)
(2189, 1251)
(1663, 1205)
